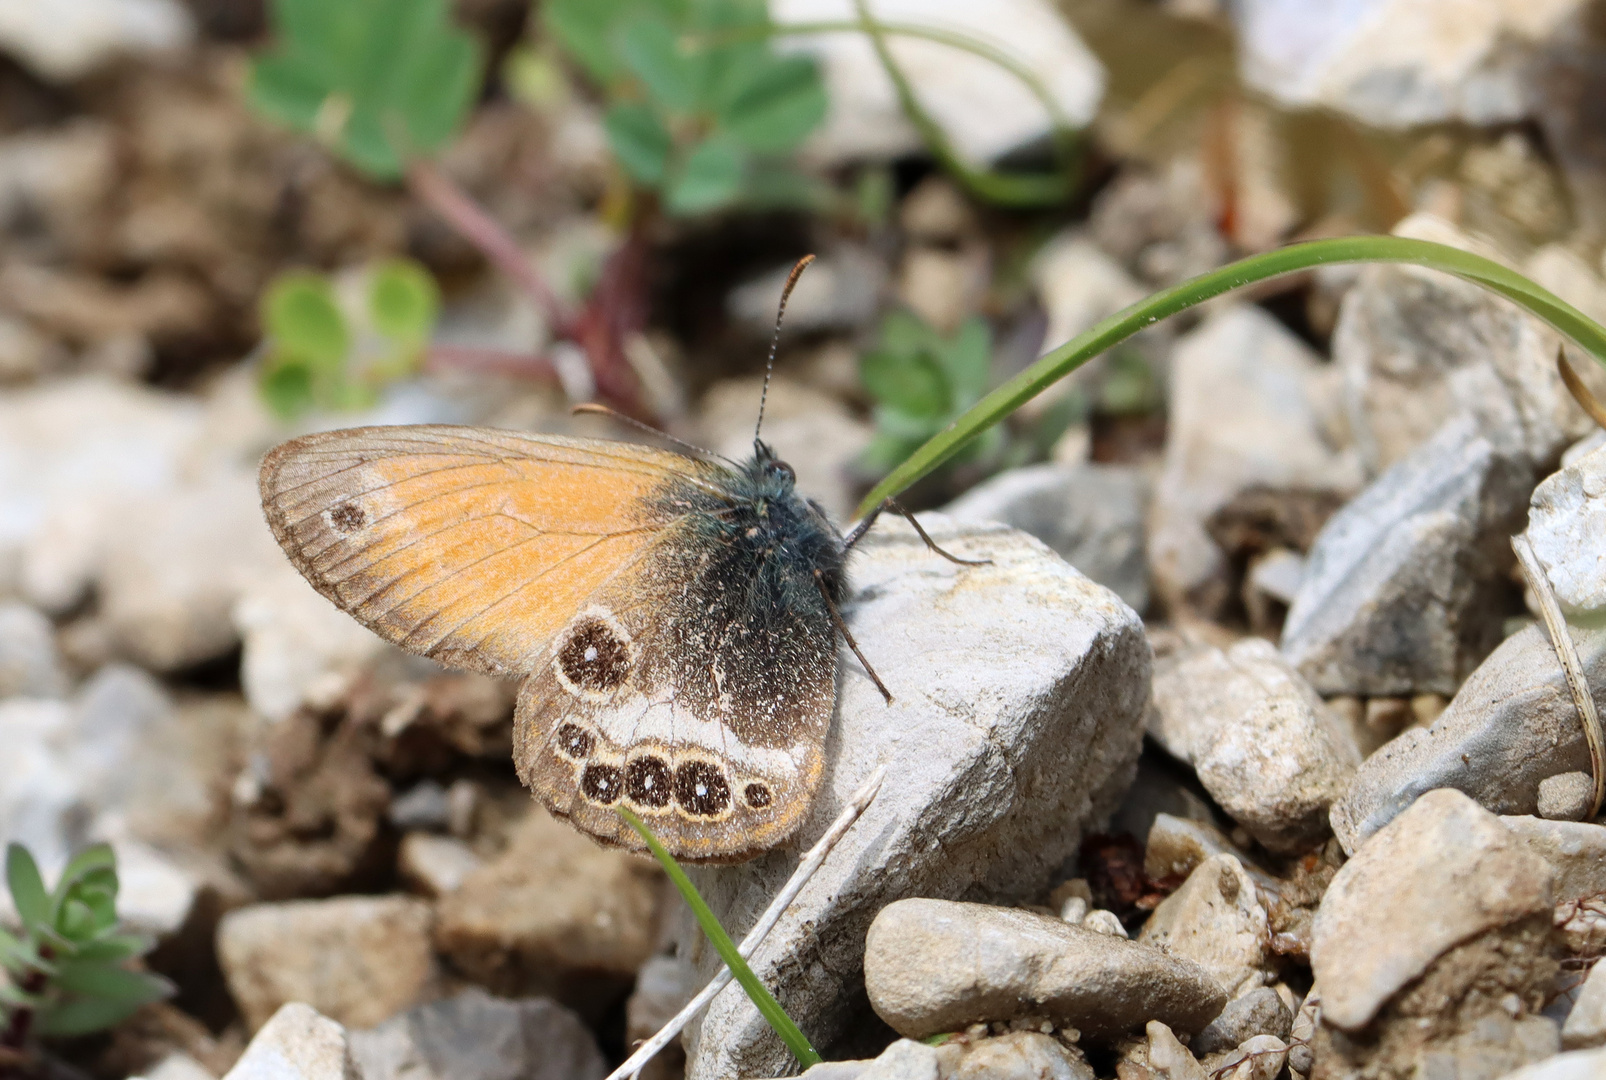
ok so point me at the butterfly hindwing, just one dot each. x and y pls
(676, 658)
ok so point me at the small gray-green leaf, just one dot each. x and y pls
(911, 384)
(782, 103)
(93, 978)
(28, 894)
(709, 178)
(639, 140)
(672, 77)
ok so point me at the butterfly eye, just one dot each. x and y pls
(782, 470)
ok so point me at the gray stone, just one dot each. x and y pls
(1440, 873)
(1262, 743)
(1575, 849)
(297, 1043)
(1418, 347)
(1176, 845)
(1400, 63)
(1258, 1012)
(935, 965)
(1400, 594)
(1015, 1055)
(1217, 921)
(1566, 519)
(1566, 797)
(1511, 726)
(65, 41)
(1168, 1058)
(474, 1036)
(554, 907)
(1249, 411)
(984, 109)
(1092, 515)
(360, 959)
(1019, 692)
(903, 1060)
(178, 1066)
(663, 986)
(1575, 1065)
(30, 665)
(1586, 1023)
(422, 806)
(1261, 1057)
(435, 865)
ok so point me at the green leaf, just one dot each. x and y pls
(639, 140)
(762, 999)
(28, 893)
(905, 334)
(300, 315)
(709, 178)
(286, 387)
(673, 77)
(912, 384)
(1058, 363)
(93, 978)
(83, 1017)
(584, 28)
(404, 301)
(967, 357)
(379, 81)
(114, 948)
(783, 102)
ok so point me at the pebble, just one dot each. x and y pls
(841, 291)
(1566, 517)
(1249, 410)
(30, 664)
(985, 111)
(1400, 63)
(356, 959)
(1575, 1065)
(297, 1043)
(936, 965)
(1262, 743)
(1259, 1058)
(1576, 850)
(1168, 1058)
(474, 1036)
(1215, 920)
(65, 41)
(1511, 726)
(996, 768)
(177, 1066)
(1586, 1023)
(1566, 796)
(1401, 589)
(553, 909)
(1091, 515)
(1418, 347)
(435, 865)
(1257, 1012)
(1444, 871)
(1015, 1055)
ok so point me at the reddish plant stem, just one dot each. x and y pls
(15, 1036)
(616, 309)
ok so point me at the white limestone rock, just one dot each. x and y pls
(1019, 693)
(1217, 921)
(1566, 519)
(984, 110)
(298, 1043)
(68, 39)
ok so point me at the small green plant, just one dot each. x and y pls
(320, 355)
(919, 381)
(64, 972)
(701, 110)
(761, 998)
(377, 81)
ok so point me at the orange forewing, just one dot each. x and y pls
(470, 545)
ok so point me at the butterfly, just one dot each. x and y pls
(674, 619)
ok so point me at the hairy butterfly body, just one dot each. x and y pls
(672, 618)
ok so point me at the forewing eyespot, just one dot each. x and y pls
(648, 781)
(346, 518)
(594, 657)
(757, 795)
(701, 788)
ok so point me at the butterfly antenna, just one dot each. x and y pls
(592, 408)
(775, 341)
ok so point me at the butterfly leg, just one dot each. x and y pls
(842, 628)
(890, 504)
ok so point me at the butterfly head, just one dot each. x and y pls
(769, 474)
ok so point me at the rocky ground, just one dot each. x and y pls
(1247, 755)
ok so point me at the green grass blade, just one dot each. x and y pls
(1055, 365)
(767, 1006)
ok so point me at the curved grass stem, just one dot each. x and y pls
(1055, 365)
